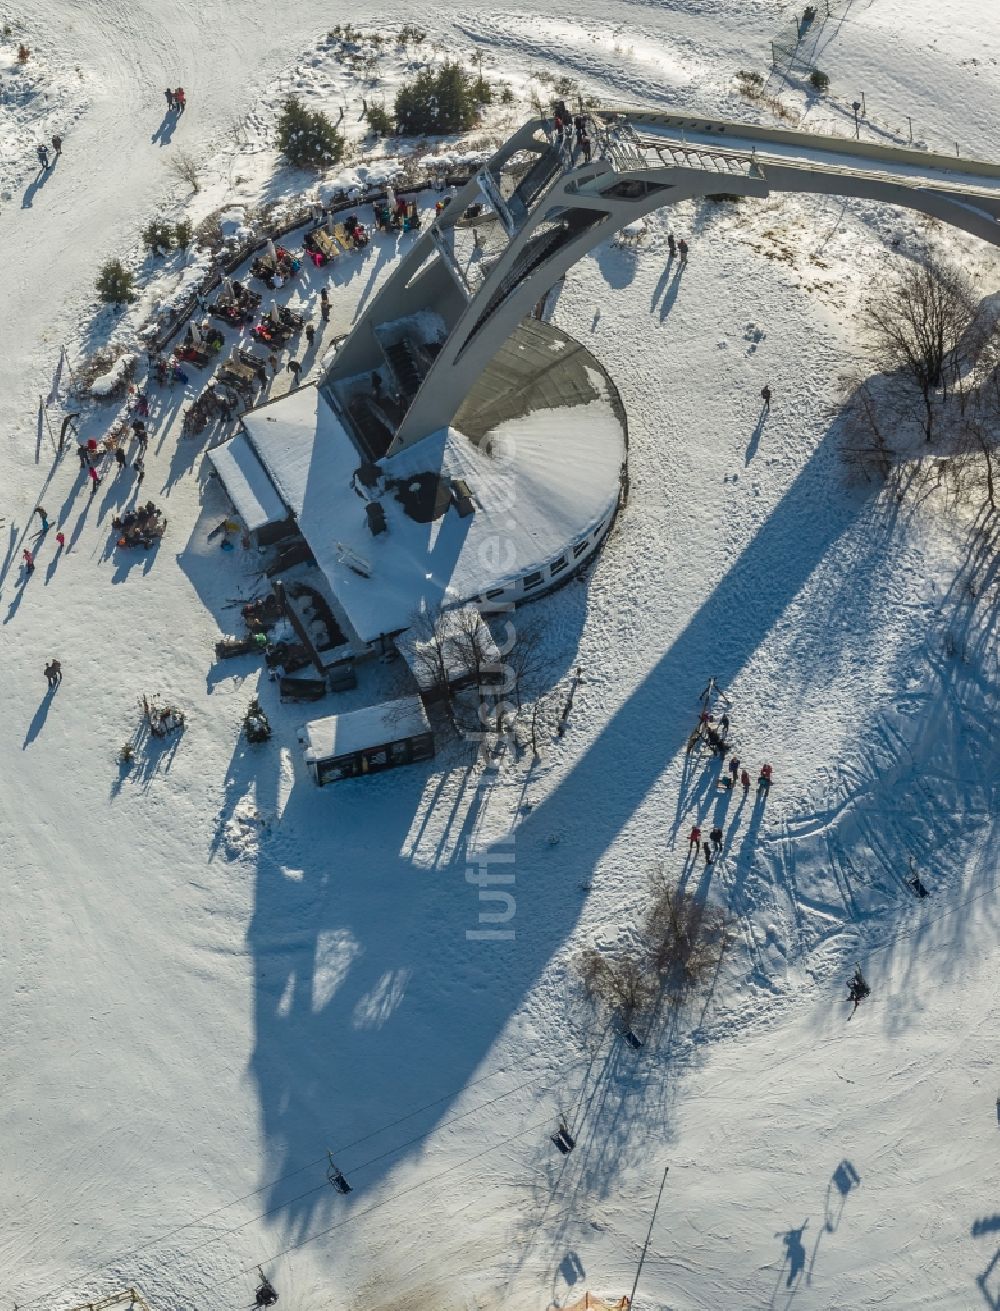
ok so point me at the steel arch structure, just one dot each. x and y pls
(550, 206)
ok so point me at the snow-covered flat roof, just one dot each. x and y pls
(358, 730)
(250, 489)
(539, 483)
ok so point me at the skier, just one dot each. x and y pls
(734, 767)
(745, 780)
(716, 836)
(294, 368)
(765, 395)
(310, 333)
(43, 155)
(57, 144)
(180, 103)
(694, 838)
(671, 244)
(44, 518)
(53, 672)
(171, 102)
(682, 246)
(764, 781)
(29, 561)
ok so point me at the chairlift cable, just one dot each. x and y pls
(189, 1224)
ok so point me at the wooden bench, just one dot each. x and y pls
(326, 243)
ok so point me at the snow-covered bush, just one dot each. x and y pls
(818, 80)
(158, 236)
(379, 120)
(115, 382)
(306, 137)
(437, 102)
(114, 283)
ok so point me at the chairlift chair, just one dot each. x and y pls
(266, 1294)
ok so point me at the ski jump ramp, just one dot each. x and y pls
(466, 283)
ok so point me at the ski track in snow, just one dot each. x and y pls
(215, 971)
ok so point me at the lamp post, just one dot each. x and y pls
(857, 126)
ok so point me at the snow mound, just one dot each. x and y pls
(108, 383)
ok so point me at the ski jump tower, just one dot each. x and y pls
(467, 283)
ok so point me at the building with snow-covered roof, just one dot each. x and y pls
(368, 740)
(506, 504)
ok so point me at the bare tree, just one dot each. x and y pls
(981, 441)
(476, 653)
(687, 935)
(916, 325)
(865, 445)
(433, 659)
(624, 983)
(184, 166)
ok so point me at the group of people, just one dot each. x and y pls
(677, 248)
(396, 213)
(139, 527)
(176, 100)
(566, 127)
(28, 555)
(42, 151)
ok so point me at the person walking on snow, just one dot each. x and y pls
(745, 780)
(171, 102)
(140, 471)
(53, 672)
(44, 518)
(180, 103)
(716, 837)
(294, 368)
(61, 539)
(708, 853)
(765, 395)
(734, 767)
(120, 457)
(671, 244)
(324, 305)
(310, 334)
(43, 155)
(57, 144)
(764, 781)
(694, 839)
(29, 561)
(682, 246)
(95, 480)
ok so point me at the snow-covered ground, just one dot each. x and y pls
(216, 972)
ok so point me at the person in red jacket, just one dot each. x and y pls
(745, 780)
(180, 102)
(694, 838)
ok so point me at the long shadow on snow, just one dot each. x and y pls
(370, 998)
